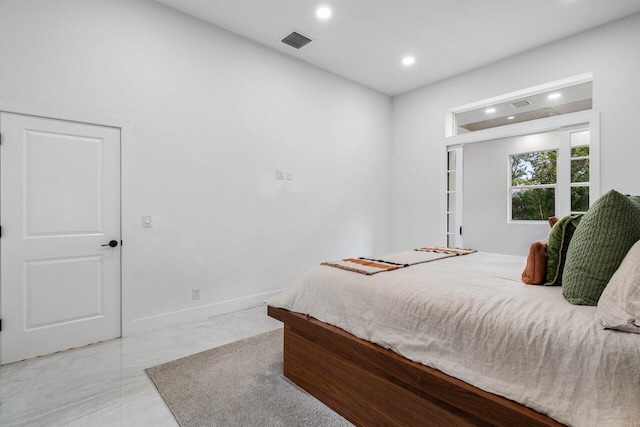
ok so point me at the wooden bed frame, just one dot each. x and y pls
(372, 386)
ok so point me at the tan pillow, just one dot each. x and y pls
(619, 305)
(535, 272)
(552, 221)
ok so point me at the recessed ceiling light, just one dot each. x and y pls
(554, 95)
(408, 60)
(490, 110)
(511, 117)
(323, 13)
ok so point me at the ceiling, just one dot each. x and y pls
(365, 40)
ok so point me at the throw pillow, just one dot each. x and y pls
(619, 305)
(602, 239)
(535, 271)
(557, 247)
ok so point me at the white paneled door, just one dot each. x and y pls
(60, 243)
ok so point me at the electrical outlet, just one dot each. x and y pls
(195, 294)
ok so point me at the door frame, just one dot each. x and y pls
(125, 126)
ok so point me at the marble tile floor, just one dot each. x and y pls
(104, 384)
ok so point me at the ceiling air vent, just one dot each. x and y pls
(520, 104)
(295, 39)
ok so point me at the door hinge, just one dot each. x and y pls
(120, 242)
(0, 325)
(0, 231)
(461, 230)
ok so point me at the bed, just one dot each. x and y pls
(457, 341)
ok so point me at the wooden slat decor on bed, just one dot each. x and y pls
(373, 386)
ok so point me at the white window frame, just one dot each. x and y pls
(563, 184)
(510, 187)
(584, 119)
(565, 144)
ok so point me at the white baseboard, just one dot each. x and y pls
(146, 324)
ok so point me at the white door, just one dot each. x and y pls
(59, 207)
(454, 196)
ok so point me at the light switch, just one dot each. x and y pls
(289, 175)
(279, 174)
(146, 221)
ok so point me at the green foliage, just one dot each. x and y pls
(580, 170)
(579, 199)
(534, 168)
(533, 204)
(580, 151)
(537, 168)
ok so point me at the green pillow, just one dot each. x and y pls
(557, 246)
(602, 239)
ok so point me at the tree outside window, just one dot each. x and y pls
(534, 184)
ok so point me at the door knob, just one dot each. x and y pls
(112, 244)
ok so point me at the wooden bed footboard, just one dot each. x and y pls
(372, 386)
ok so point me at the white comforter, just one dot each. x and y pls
(472, 318)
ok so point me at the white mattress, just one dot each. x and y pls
(472, 318)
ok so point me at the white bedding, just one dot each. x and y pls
(472, 318)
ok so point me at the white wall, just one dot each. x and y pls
(213, 115)
(611, 52)
(486, 177)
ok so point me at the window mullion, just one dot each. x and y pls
(524, 187)
(563, 191)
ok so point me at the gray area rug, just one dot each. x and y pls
(238, 384)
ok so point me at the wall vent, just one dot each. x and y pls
(295, 39)
(520, 104)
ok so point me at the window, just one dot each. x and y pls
(533, 185)
(579, 172)
(551, 182)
